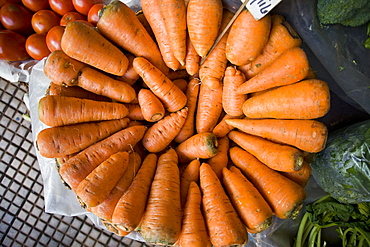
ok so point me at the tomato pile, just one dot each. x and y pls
(33, 28)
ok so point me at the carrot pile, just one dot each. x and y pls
(183, 153)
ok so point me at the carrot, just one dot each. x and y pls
(232, 102)
(112, 228)
(204, 21)
(276, 156)
(192, 59)
(283, 195)
(151, 107)
(222, 128)
(181, 83)
(224, 225)
(130, 76)
(253, 210)
(307, 99)
(142, 18)
(119, 23)
(96, 187)
(190, 173)
(61, 110)
(188, 128)
(85, 44)
(131, 205)
(305, 134)
(282, 37)
(302, 176)
(74, 91)
(221, 159)
(161, 222)
(194, 230)
(290, 67)
(199, 146)
(134, 112)
(171, 96)
(247, 37)
(80, 165)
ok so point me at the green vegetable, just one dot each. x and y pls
(342, 169)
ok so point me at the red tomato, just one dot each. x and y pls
(83, 6)
(12, 46)
(3, 2)
(54, 37)
(36, 46)
(44, 19)
(36, 5)
(17, 18)
(71, 16)
(62, 6)
(93, 15)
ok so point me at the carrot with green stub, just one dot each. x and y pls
(221, 159)
(151, 107)
(190, 173)
(284, 196)
(302, 176)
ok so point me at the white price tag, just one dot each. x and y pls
(260, 8)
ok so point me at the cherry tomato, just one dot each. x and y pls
(93, 15)
(54, 37)
(71, 16)
(17, 18)
(12, 46)
(36, 5)
(83, 6)
(36, 46)
(62, 6)
(43, 20)
(3, 2)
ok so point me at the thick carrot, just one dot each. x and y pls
(192, 59)
(284, 196)
(60, 110)
(222, 128)
(130, 76)
(134, 112)
(171, 96)
(96, 187)
(247, 37)
(224, 225)
(290, 67)
(307, 99)
(305, 134)
(151, 107)
(131, 205)
(161, 222)
(204, 21)
(74, 91)
(194, 229)
(161, 134)
(232, 102)
(302, 176)
(64, 140)
(276, 156)
(190, 173)
(80, 165)
(221, 159)
(85, 44)
(252, 208)
(199, 146)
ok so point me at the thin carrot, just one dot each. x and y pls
(191, 173)
(130, 76)
(192, 59)
(307, 99)
(290, 67)
(80, 165)
(131, 206)
(181, 83)
(247, 37)
(224, 225)
(276, 156)
(171, 96)
(302, 176)
(284, 196)
(134, 112)
(161, 222)
(151, 107)
(74, 91)
(96, 187)
(161, 134)
(221, 159)
(305, 134)
(199, 146)
(194, 229)
(85, 44)
(222, 128)
(60, 110)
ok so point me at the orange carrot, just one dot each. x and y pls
(181, 83)
(96, 187)
(130, 76)
(247, 37)
(161, 134)
(119, 23)
(253, 210)
(305, 134)
(302, 176)
(199, 146)
(74, 91)
(60, 110)
(284, 196)
(171, 96)
(192, 59)
(80, 165)
(142, 18)
(112, 228)
(290, 67)
(191, 173)
(307, 99)
(222, 128)
(134, 112)
(161, 222)
(232, 102)
(204, 21)
(151, 107)
(224, 225)
(221, 159)
(276, 156)
(64, 140)
(194, 230)
(85, 44)
(131, 205)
